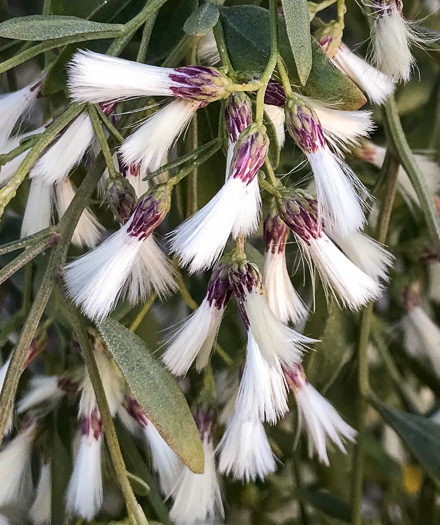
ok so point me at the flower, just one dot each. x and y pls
(283, 299)
(100, 78)
(39, 208)
(276, 115)
(341, 196)
(96, 280)
(41, 511)
(337, 272)
(322, 420)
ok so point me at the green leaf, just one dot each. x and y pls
(39, 27)
(247, 35)
(274, 148)
(421, 435)
(329, 504)
(296, 13)
(202, 20)
(157, 391)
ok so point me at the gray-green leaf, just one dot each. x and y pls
(39, 27)
(157, 391)
(202, 20)
(296, 13)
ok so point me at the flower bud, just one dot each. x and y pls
(249, 153)
(121, 197)
(238, 114)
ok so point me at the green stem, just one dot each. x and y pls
(400, 146)
(26, 241)
(145, 309)
(146, 35)
(134, 510)
(96, 123)
(25, 145)
(108, 124)
(284, 77)
(265, 77)
(193, 139)
(222, 50)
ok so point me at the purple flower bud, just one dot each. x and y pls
(199, 83)
(275, 233)
(295, 378)
(68, 385)
(219, 291)
(205, 418)
(243, 278)
(121, 197)
(136, 411)
(108, 107)
(300, 214)
(275, 94)
(238, 114)
(92, 425)
(303, 125)
(386, 7)
(249, 153)
(150, 212)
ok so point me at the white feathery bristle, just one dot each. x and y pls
(15, 468)
(41, 389)
(322, 421)
(41, 510)
(376, 84)
(201, 239)
(345, 280)
(248, 214)
(283, 299)
(150, 144)
(197, 497)
(194, 340)
(64, 154)
(340, 194)
(434, 281)
(102, 78)
(14, 106)
(244, 451)
(262, 395)
(207, 51)
(165, 462)
(422, 337)
(85, 493)
(342, 129)
(88, 230)
(96, 280)
(151, 271)
(278, 118)
(366, 254)
(391, 38)
(39, 208)
(275, 340)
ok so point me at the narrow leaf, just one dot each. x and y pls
(157, 391)
(329, 504)
(202, 20)
(421, 435)
(296, 13)
(39, 27)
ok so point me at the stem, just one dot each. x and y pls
(270, 172)
(284, 77)
(108, 124)
(97, 127)
(145, 309)
(341, 14)
(146, 35)
(265, 77)
(134, 510)
(193, 139)
(222, 50)
(362, 350)
(269, 187)
(26, 241)
(25, 144)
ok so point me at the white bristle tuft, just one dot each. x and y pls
(41, 510)
(39, 208)
(278, 118)
(14, 106)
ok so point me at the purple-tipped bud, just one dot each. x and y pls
(300, 214)
(108, 107)
(91, 426)
(249, 153)
(303, 125)
(200, 83)
(150, 211)
(68, 385)
(386, 7)
(243, 278)
(205, 418)
(329, 37)
(135, 410)
(275, 94)
(238, 114)
(295, 378)
(275, 233)
(37, 346)
(219, 291)
(121, 197)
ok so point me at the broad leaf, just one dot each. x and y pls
(157, 391)
(247, 35)
(39, 27)
(421, 435)
(202, 20)
(297, 17)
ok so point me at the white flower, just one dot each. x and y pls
(434, 280)
(39, 208)
(148, 147)
(88, 230)
(366, 253)
(194, 340)
(376, 84)
(391, 38)
(41, 389)
(197, 497)
(322, 420)
(14, 106)
(15, 468)
(41, 511)
(65, 153)
(244, 450)
(276, 115)
(262, 395)
(207, 51)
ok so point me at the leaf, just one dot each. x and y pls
(39, 27)
(329, 504)
(247, 35)
(157, 391)
(274, 148)
(202, 20)
(296, 14)
(421, 435)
